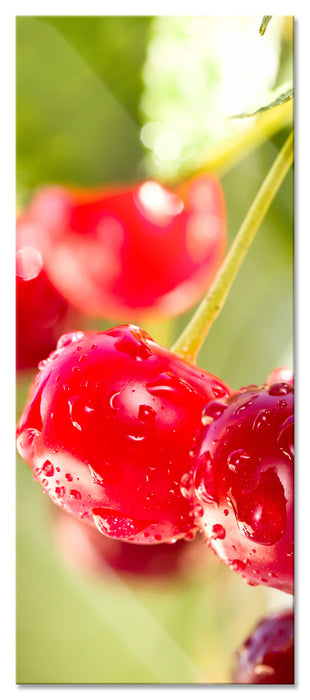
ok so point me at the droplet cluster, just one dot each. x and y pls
(108, 428)
(242, 475)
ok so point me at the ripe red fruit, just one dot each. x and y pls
(281, 374)
(267, 655)
(108, 428)
(243, 482)
(42, 313)
(89, 550)
(137, 250)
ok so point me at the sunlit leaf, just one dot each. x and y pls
(285, 96)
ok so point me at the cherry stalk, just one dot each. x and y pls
(191, 339)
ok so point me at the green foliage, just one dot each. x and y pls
(264, 23)
(280, 96)
(78, 86)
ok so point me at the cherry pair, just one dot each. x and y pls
(125, 435)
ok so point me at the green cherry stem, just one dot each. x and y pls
(190, 341)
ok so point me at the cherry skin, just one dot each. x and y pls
(108, 429)
(267, 655)
(243, 474)
(42, 313)
(91, 552)
(130, 251)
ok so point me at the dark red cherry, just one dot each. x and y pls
(243, 478)
(267, 655)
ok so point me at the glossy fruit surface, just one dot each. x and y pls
(108, 429)
(243, 481)
(42, 313)
(267, 655)
(90, 551)
(143, 249)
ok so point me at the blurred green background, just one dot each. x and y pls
(83, 95)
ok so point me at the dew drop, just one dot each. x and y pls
(83, 358)
(245, 405)
(238, 460)
(261, 515)
(285, 437)
(186, 485)
(167, 385)
(218, 532)
(96, 478)
(226, 511)
(60, 491)
(146, 414)
(93, 346)
(69, 338)
(47, 469)
(42, 364)
(75, 494)
(212, 411)
(218, 392)
(26, 443)
(115, 524)
(280, 389)
(237, 565)
(197, 512)
(262, 419)
(204, 480)
(135, 346)
(69, 477)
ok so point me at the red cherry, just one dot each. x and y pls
(267, 655)
(141, 249)
(108, 428)
(89, 550)
(42, 313)
(243, 479)
(281, 374)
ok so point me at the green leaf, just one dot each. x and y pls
(113, 47)
(285, 96)
(265, 21)
(76, 98)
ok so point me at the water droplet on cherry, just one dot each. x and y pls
(218, 532)
(280, 389)
(69, 338)
(47, 469)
